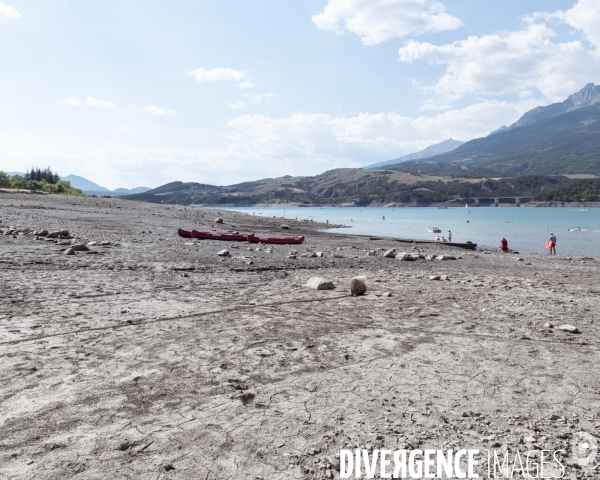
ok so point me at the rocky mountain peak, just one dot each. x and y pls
(588, 95)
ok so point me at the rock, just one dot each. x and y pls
(43, 233)
(309, 255)
(430, 257)
(334, 462)
(372, 253)
(358, 285)
(218, 220)
(60, 233)
(548, 325)
(69, 251)
(386, 294)
(434, 277)
(445, 257)
(407, 257)
(445, 277)
(80, 248)
(319, 283)
(285, 227)
(291, 257)
(105, 243)
(223, 253)
(92, 244)
(530, 439)
(390, 254)
(320, 254)
(554, 417)
(568, 328)
(168, 467)
(64, 242)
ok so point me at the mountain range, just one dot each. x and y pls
(561, 138)
(90, 188)
(431, 151)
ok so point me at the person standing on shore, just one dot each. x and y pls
(551, 244)
(449, 236)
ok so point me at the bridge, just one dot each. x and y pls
(495, 200)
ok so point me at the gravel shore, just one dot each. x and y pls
(150, 356)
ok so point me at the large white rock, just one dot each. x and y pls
(390, 254)
(319, 283)
(223, 253)
(568, 328)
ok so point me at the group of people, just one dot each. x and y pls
(442, 239)
(550, 245)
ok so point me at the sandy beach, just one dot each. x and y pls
(149, 356)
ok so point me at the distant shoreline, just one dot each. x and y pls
(405, 205)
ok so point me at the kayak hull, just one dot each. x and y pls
(276, 240)
(227, 236)
(184, 233)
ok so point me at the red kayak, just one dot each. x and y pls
(233, 236)
(278, 240)
(184, 233)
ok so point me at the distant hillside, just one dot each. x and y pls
(432, 150)
(348, 186)
(564, 144)
(90, 188)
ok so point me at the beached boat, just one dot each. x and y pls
(434, 230)
(277, 240)
(184, 233)
(229, 236)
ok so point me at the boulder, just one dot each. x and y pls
(218, 220)
(60, 233)
(43, 233)
(390, 254)
(568, 328)
(223, 253)
(407, 257)
(69, 251)
(358, 285)
(80, 247)
(319, 283)
(445, 257)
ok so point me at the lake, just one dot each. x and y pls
(526, 229)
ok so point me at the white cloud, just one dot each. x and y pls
(262, 146)
(516, 61)
(158, 110)
(508, 62)
(236, 105)
(584, 16)
(376, 21)
(94, 102)
(262, 97)
(222, 75)
(70, 101)
(9, 11)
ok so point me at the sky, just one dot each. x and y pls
(141, 93)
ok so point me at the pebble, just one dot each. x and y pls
(568, 328)
(389, 254)
(319, 283)
(548, 325)
(218, 220)
(434, 277)
(69, 251)
(60, 233)
(92, 244)
(223, 253)
(358, 285)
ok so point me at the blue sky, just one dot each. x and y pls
(143, 93)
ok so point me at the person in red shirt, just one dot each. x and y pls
(503, 245)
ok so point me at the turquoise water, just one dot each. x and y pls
(526, 229)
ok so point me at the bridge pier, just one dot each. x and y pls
(476, 202)
(496, 202)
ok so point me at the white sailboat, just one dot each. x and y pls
(466, 206)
